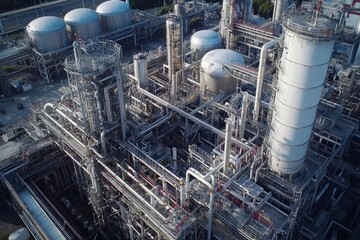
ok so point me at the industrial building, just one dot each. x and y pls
(245, 130)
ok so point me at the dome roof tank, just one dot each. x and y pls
(204, 41)
(114, 15)
(82, 23)
(212, 76)
(47, 33)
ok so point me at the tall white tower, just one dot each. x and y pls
(308, 44)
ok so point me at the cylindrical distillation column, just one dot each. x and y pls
(174, 41)
(305, 59)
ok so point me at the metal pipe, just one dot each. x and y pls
(257, 171)
(98, 105)
(192, 65)
(244, 108)
(103, 140)
(62, 128)
(252, 167)
(322, 192)
(131, 230)
(70, 120)
(65, 96)
(206, 104)
(174, 158)
(128, 188)
(192, 118)
(199, 177)
(121, 104)
(182, 192)
(161, 202)
(228, 134)
(211, 206)
(260, 77)
(156, 124)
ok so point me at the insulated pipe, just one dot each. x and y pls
(65, 96)
(211, 188)
(257, 171)
(252, 167)
(228, 132)
(260, 77)
(211, 206)
(278, 10)
(77, 53)
(174, 158)
(121, 104)
(199, 177)
(182, 192)
(244, 108)
(98, 105)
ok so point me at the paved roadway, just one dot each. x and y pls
(20, 18)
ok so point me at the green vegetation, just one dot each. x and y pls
(164, 10)
(264, 8)
(8, 69)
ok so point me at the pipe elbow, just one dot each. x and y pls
(48, 106)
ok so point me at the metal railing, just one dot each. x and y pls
(296, 24)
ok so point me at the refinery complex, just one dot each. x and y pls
(235, 127)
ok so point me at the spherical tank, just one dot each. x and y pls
(305, 60)
(47, 33)
(204, 41)
(213, 77)
(82, 23)
(114, 15)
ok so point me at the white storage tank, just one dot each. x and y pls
(114, 15)
(304, 64)
(204, 41)
(213, 77)
(82, 23)
(47, 33)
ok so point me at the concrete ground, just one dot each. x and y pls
(39, 91)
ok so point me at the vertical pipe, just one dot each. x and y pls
(211, 206)
(229, 124)
(131, 230)
(244, 108)
(121, 104)
(174, 158)
(260, 78)
(182, 192)
(224, 19)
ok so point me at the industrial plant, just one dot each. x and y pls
(236, 127)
